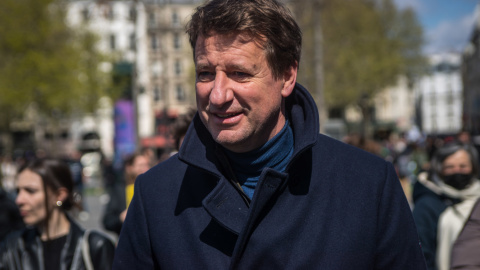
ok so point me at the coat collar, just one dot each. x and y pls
(223, 203)
(198, 148)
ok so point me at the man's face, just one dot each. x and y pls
(238, 99)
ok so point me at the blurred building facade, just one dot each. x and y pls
(171, 66)
(121, 27)
(147, 39)
(471, 80)
(394, 105)
(392, 109)
(440, 95)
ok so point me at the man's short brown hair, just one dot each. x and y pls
(267, 21)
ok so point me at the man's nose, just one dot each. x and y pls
(221, 90)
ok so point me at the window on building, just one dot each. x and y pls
(48, 136)
(179, 92)
(175, 20)
(156, 69)
(110, 13)
(154, 42)
(151, 19)
(132, 13)
(133, 42)
(446, 67)
(176, 41)
(113, 42)
(178, 67)
(450, 113)
(450, 98)
(157, 93)
(85, 14)
(433, 99)
(64, 134)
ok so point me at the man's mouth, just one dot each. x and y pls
(227, 115)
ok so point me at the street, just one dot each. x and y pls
(95, 202)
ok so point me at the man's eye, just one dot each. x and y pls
(205, 76)
(240, 75)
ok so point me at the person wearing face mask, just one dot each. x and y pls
(443, 199)
(52, 239)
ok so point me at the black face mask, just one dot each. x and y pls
(458, 180)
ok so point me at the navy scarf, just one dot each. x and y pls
(274, 154)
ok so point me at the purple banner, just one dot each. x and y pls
(125, 135)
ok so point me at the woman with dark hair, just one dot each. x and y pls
(121, 193)
(52, 239)
(443, 200)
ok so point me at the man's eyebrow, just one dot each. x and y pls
(202, 66)
(242, 67)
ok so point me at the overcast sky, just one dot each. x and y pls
(447, 24)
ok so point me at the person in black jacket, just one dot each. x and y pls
(254, 185)
(52, 240)
(10, 219)
(121, 192)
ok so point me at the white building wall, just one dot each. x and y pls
(145, 117)
(118, 30)
(441, 95)
(109, 19)
(396, 104)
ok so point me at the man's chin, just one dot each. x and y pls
(227, 140)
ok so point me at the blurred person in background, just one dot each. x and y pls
(443, 199)
(52, 240)
(150, 154)
(466, 249)
(121, 193)
(10, 219)
(180, 128)
(464, 137)
(8, 171)
(108, 173)
(76, 167)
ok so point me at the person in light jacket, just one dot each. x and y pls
(443, 200)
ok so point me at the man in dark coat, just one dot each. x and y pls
(254, 185)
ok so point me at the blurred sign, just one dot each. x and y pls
(125, 138)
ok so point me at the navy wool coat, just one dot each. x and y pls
(335, 207)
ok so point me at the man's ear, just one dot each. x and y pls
(289, 80)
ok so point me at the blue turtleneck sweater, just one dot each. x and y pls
(274, 154)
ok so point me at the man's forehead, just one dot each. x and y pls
(223, 41)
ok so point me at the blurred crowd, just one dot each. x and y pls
(439, 176)
(42, 200)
